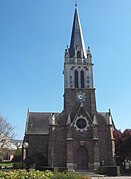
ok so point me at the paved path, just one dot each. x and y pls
(120, 177)
(95, 176)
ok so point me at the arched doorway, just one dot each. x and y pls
(82, 158)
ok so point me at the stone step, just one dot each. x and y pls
(89, 173)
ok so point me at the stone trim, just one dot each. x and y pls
(69, 138)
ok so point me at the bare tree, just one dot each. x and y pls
(6, 134)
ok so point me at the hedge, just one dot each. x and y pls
(36, 174)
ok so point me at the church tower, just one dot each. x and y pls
(78, 72)
(79, 101)
(84, 128)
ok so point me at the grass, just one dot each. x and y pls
(5, 164)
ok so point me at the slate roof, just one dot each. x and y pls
(77, 37)
(6, 143)
(105, 118)
(10, 146)
(38, 122)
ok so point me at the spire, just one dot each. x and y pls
(77, 41)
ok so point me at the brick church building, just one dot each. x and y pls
(79, 137)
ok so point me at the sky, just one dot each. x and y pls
(33, 38)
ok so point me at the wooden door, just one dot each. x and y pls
(82, 158)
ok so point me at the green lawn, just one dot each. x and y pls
(4, 164)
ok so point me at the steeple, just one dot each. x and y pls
(77, 41)
(78, 72)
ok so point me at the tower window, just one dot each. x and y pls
(76, 78)
(78, 54)
(82, 79)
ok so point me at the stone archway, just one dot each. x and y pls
(82, 158)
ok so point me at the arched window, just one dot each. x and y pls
(76, 79)
(82, 79)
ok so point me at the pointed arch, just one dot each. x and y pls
(76, 78)
(82, 79)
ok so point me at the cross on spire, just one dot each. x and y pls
(75, 3)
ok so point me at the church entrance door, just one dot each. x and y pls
(82, 158)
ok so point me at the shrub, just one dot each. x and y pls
(68, 175)
(35, 174)
(18, 156)
(38, 159)
(109, 170)
(17, 165)
(0, 159)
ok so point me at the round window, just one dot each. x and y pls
(81, 123)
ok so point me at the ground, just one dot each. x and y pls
(119, 177)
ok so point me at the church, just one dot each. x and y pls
(79, 137)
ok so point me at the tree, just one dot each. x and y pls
(18, 155)
(122, 145)
(6, 134)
